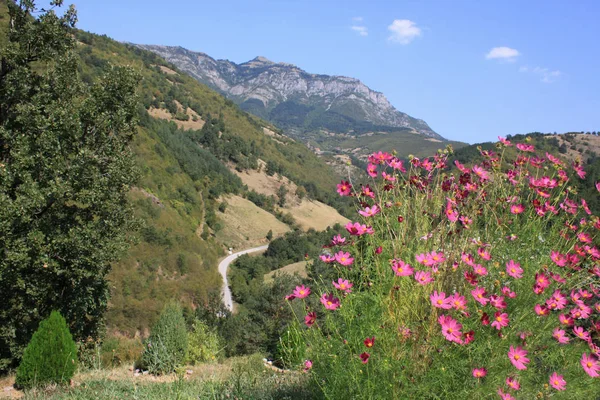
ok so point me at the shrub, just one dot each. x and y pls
(50, 356)
(167, 346)
(203, 343)
(456, 284)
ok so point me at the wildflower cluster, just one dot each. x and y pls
(463, 276)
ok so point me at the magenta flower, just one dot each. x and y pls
(458, 302)
(344, 188)
(513, 383)
(451, 329)
(517, 357)
(307, 365)
(590, 365)
(364, 357)
(500, 320)
(369, 342)
(566, 320)
(558, 258)
(301, 292)
(481, 173)
(483, 253)
(397, 164)
(401, 268)
(560, 335)
(540, 310)
(517, 208)
(372, 170)
(525, 147)
(338, 240)
(479, 372)
(327, 258)
(343, 285)
(436, 258)
(310, 319)
(497, 302)
(330, 301)
(440, 300)
(480, 270)
(514, 269)
(356, 229)
(479, 295)
(558, 382)
(423, 278)
(370, 211)
(344, 258)
(581, 333)
(504, 141)
(505, 396)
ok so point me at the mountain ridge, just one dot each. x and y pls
(293, 98)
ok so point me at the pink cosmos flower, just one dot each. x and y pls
(485, 319)
(451, 329)
(367, 191)
(468, 337)
(468, 259)
(370, 211)
(525, 147)
(344, 188)
(364, 357)
(436, 258)
(566, 320)
(479, 372)
(540, 310)
(500, 320)
(343, 285)
(338, 240)
(343, 258)
(560, 336)
(397, 164)
(423, 277)
(327, 258)
(483, 253)
(461, 167)
(369, 342)
(590, 365)
(518, 357)
(372, 170)
(507, 292)
(330, 301)
(581, 333)
(481, 173)
(388, 177)
(517, 208)
(504, 141)
(497, 302)
(401, 268)
(458, 301)
(480, 270)
(514, 269)
(439, 300)
(301, 292)
(513, 383)
(310, 319)
(542, 280)
(598, 186)
(356, 229)
(558, 258)
(584, 237)
(307, 365)
(479, 295)
(558, 382)
(505, 396)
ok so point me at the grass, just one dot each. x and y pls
(291, 269)
(246, 225)
(234, 378)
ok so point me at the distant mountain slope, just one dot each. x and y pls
(294, 99)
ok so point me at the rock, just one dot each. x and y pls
(189, 372)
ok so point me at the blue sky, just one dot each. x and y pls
(434, 60)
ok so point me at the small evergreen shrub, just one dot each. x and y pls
(203, 344)
(167, 345)
(50, 356)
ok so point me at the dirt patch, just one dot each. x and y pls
(291, 269)
(590, 144)
(246, 225)
(190, 124)
(167, 70)
(316, 215)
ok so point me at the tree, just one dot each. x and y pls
(65, 169)
(281, 193)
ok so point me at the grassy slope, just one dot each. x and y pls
(171, 260)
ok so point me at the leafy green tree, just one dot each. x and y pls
(281, 193)
(65, 169)
(50, 357)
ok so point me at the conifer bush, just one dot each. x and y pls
(481, 281)
(50, 356)
(167, 346)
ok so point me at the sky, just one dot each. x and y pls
(473, 70)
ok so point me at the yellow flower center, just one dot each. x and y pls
(517, 357)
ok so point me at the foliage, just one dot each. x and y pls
(50, 356)
(65, 169)
(167, 346)
(448, 273)
(204, 345)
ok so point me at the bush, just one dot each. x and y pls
(455, 285)
(203, 344)
(50, 356)
(167, 346)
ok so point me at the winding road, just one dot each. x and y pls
(223, 265)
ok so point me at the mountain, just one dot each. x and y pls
(293, 99)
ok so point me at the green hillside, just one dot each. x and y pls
(182, 175)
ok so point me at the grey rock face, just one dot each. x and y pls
(271, 84)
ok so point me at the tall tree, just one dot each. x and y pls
(65, 169)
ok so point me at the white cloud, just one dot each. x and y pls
(357, 19)
(361, 30)
(503, 53)
(546, 75)
(403, 31)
